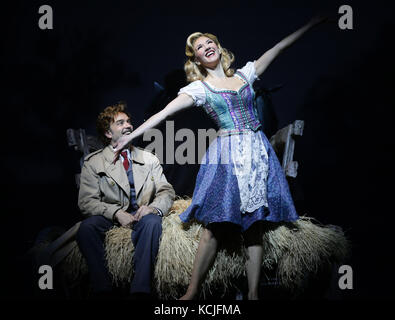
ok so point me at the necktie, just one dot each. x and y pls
(125, 160)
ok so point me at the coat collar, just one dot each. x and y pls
(136, 154)
(118, 173)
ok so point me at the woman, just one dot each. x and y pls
(240, 181)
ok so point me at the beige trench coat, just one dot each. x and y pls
(105, 188)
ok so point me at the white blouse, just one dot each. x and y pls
(196, 88)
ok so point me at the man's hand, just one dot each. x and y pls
(125, 218)
(143, 211)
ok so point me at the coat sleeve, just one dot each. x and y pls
(89, 197)
(165, 194)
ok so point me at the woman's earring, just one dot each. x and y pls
(219, 51)
(197, 62)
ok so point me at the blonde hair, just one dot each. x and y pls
(198, 72)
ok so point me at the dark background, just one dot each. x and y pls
(340, 82)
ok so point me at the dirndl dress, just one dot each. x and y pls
(240, 179)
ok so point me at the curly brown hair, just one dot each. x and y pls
(106, 118)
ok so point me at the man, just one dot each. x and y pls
(130, 192)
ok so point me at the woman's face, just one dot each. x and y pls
(206, 52)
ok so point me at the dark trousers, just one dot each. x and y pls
(145, 236)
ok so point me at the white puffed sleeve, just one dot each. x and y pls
(249, 71)
(196, 91)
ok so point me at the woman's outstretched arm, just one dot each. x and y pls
(267, 58)
(181, 102)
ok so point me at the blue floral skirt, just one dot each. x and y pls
(216, 197)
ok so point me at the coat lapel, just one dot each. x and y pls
(116, 170)
(140, 171)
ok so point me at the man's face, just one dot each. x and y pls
(121, 126)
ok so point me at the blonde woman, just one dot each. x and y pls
(240, 181)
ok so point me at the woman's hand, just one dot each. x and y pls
(321, 18)
(270, 55)
(318, 19)
(122, 142)
(182, 101)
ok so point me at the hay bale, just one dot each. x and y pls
(177, 253)
(177, 250)
(293, 249)
(119, 251)
(300, 248)
(74, 267)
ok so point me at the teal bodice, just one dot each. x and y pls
(232, 110)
